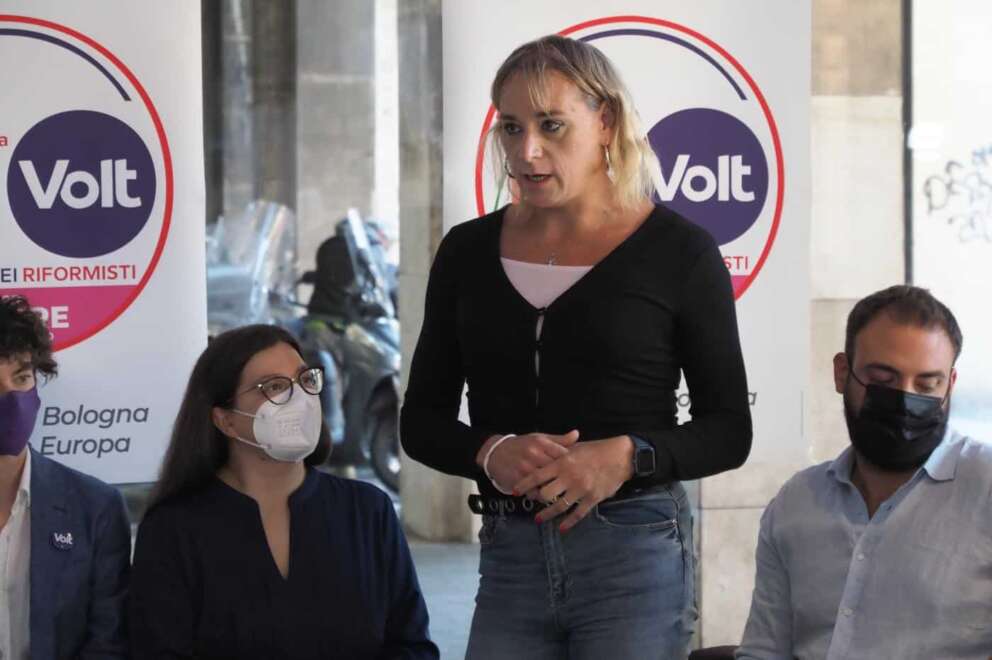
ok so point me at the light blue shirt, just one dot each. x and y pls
(914, 581)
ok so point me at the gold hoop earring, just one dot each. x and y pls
(610, 173)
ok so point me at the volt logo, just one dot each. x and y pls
(713, 170)
(727, 183)
(112, 186)
(82, 184)
(87, 183)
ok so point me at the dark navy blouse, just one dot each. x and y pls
(205, 585)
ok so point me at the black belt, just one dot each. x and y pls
(522, 506)
(504, 506)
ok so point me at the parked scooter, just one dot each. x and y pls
(351, 329)
(379, 244)
(250, 268)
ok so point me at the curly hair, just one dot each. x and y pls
(23, 332)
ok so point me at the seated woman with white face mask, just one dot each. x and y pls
(249, 552)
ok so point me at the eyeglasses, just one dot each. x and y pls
(279, 389)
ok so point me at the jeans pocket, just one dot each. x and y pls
(654, 511)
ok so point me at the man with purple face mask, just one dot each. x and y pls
(64, 536)
(885, 552)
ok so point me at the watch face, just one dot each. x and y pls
(644, 462)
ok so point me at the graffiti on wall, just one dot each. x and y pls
(960, 196)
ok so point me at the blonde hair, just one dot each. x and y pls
(635, 165)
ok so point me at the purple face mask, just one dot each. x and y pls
(18, 412)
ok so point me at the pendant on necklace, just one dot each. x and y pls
(553, 259)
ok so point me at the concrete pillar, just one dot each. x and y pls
(237, 130)
(249, 103)
(386, 188)
(434, 505)
(335, 117)
(213, 116)
(273, 67)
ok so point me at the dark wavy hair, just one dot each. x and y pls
(22, 332)
(197, 448)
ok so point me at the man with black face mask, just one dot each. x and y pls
(65, 541)
(886, 552)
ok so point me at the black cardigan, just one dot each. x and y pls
(611, 349)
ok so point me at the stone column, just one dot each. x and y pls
(434, 505)
(273, 68)
(335, 117)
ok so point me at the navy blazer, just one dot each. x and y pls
(78, 583)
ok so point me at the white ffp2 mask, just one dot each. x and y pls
(287, 432)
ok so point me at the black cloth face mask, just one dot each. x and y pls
(896, 431)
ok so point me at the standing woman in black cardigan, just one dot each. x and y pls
(570, 314)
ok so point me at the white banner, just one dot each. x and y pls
(101, 161)
(951, 139)
(722, 88)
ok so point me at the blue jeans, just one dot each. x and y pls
(618, 586)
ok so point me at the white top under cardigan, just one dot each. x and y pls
(541, 284)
